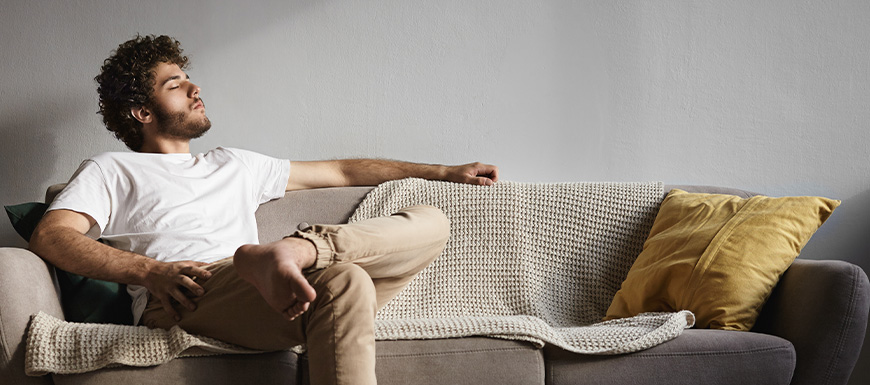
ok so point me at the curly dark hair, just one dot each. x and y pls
(126, 81)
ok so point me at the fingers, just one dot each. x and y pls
(183, 299)
(481, 174)
(191, 286)
(491, 172)
(196, 270)
(177, 282)
(167, 306)
(179, 297)
(190, 275)
(483, 181)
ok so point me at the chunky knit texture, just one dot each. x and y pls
(533, 262)
(530, 262)
(57, 346)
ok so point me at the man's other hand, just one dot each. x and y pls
(168, 281)
(473, 173)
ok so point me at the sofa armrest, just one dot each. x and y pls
(822, 308)
(26, 287)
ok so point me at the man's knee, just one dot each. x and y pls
(433, 221)
(346, 281)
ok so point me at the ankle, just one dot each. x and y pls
(304, 251)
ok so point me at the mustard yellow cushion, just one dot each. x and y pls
(718, 256)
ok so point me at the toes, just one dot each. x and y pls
(300, 307)
(289, 312)
(295, 310)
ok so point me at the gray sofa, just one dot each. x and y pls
(809, 332)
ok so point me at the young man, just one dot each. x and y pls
(184, 232)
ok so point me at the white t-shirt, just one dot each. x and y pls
(175, 207)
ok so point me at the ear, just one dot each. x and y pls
(142, 114)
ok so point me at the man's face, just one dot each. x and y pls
(178, 110)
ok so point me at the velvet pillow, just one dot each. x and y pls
(25, 217)
(82, 299)
(718, 256)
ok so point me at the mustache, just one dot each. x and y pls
(198, 100)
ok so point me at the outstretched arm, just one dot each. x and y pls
(371, 172)
(59, 239)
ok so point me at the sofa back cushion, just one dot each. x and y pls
(298, 209)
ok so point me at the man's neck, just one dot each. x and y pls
(166, 146)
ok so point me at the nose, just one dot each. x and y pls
(194, 90)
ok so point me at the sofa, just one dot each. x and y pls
(809, 331)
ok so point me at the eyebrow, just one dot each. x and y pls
(176, 77)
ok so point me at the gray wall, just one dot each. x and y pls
(767, 96)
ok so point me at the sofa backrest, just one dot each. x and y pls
(710, 190)
(281, 217)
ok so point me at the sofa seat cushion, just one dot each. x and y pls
(266, 368)
(473, 360)
(696, 357)
(470, 360)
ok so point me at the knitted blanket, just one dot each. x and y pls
(531, 262)
(58, 346)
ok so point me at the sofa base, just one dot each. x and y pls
(472, 360)
(696, 357)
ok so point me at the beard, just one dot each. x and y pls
(179, 125)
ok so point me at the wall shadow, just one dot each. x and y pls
(856, 249)
(846, 236)
(30, 150)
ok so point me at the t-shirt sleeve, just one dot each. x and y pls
(86, 193)
(270, 174)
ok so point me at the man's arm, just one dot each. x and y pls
(371, 172)
(59, 239)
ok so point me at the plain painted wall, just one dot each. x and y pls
(768, 96)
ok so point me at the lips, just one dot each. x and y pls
(198, 104)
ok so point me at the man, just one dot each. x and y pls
(184, 232)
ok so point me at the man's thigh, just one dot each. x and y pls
(231, 310)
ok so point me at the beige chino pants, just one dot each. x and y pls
(359, 268)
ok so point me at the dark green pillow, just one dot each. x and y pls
(93, 301)
(25, 217)
(83, 299)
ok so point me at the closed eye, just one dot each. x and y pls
(176, 78)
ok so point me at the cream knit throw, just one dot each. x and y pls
(531, 262)
(57, 346)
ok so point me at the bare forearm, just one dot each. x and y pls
(78, 254)
(370, 172)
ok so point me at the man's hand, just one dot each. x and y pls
(473, 173)
(176, 280)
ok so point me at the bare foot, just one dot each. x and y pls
(275, 269)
